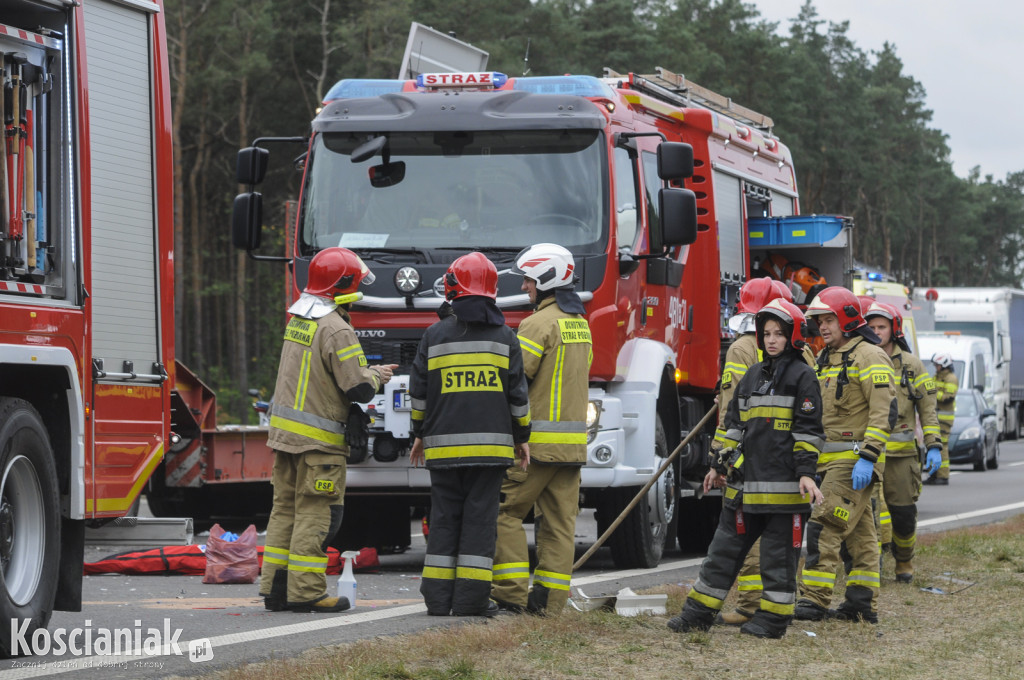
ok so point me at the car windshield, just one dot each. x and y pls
(966, 405)
(495, 189)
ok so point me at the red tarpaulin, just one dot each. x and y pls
(190, 560)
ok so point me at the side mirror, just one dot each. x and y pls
(251, 167)
(675, 160)
(988, 413)
(678, 210)
(247, 221)
(387, 174)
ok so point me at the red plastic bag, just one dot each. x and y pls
(234, 562)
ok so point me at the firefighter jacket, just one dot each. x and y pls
(469, 394)
(322, 372)
(946, 386)
(775, 418)
(915, 393)
(557, 353)
(859, 404)
(742, 354)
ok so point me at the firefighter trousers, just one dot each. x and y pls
(555, 489)
(460, 546)
(309, 489)
(845, 515)
(780, 538)
(902, 488)
(945, 425)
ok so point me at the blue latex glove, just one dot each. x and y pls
(933, 460)
(229, 537)
(862, 471)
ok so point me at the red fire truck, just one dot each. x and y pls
(413, 173)
(86, 275)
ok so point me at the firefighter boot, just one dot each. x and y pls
(762, 626)
(277, 599)
(736, 617)
(855, 607)
(325, 605)
(695, 616)
(904, 572)
(806, 610)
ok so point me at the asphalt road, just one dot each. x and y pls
(237, 629)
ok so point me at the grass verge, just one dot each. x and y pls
(975, 633)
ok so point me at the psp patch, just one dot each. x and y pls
(807, 406)
(880, 379)
(324, 485)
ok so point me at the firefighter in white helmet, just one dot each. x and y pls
(322, 371)
(557, 352)
(946, 386)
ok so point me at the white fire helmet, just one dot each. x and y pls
(549, 264)
(942, 360)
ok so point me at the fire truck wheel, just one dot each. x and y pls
(29, 521)
(640, 540)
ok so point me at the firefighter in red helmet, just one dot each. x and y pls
(322, 372)
(743, 353)
(859, 410)
(915, 393)
(772, 436)
(471, 419)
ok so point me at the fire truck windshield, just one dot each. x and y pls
(480, 189)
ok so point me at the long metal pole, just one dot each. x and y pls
(643, 492)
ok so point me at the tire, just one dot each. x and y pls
(993, 462)
(29, 521)
(641, 539)
(979, 465)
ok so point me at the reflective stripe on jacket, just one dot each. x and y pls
(321, 360)
(469, 394)
(557, 351)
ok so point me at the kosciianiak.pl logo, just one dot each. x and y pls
(89, 641)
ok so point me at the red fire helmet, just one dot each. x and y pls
(471, 274)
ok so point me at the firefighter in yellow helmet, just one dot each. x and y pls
(557, 352)
(470, 418)
(322, 371)
(915, 392)
(946, 387)
(859, 410)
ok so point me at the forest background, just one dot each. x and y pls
(855, 121)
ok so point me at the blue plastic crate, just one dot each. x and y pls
(808, 229)
(763, 231)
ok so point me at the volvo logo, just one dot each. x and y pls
(407, 280)
(360, 333)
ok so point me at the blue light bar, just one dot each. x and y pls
(581, 86)
(874, 276)
(355, 88)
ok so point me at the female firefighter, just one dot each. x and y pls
(773, 437)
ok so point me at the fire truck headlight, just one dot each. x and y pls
(593, 419)
(175, 439)
(602, 454)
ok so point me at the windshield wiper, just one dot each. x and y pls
(374, 253)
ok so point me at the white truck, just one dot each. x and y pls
(998, 315)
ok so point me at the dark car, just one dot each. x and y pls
(975, 434)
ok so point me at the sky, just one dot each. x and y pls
(968, 56)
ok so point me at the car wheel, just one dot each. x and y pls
(979, 463)
(993, 462)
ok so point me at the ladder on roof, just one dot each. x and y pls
(676, 89)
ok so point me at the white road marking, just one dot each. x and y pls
(1015, 464)
(967, 515)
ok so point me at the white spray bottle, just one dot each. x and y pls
(347, 580)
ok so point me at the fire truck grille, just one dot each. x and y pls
(387, 351)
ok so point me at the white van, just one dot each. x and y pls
(972, 358)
